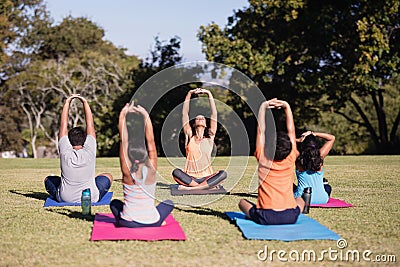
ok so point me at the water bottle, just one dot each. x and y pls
(307, 199)
(86, 202)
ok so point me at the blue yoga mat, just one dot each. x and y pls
(305, 228)
(51, 202)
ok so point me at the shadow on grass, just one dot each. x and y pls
(163, 185)
(72, 214)
(251, 195)
(31, 194)
(204, 211)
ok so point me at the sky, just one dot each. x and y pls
(133, 24)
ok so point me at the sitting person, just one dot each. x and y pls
(199, 143)
(77, 149)
(310, 166)
(276, 203)
(139, 168)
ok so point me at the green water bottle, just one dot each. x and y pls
(86, 202)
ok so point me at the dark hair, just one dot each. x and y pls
(137, 154)
(77, 136)
(310, 157)
(282, 144)
(206, 130)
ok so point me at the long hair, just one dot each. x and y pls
(206, 130)
(310, 157)
(137, 154)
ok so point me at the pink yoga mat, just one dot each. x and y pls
(333, 203)
(105, 229)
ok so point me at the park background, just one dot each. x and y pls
(335, 63)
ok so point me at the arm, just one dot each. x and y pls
(149, 135)
(330, 139)
(214, 114)
(185, 116)
(260, 138)
(89, 117)
(123, 146)
(64, 117)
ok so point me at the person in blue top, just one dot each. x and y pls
(310, 166)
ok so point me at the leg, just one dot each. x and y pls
(183, 178)
(328, 189)
(245, 206)
(164, 209)
(216, 179)
(103, 184)
(108, 175)
(51, 183)
(116, 207)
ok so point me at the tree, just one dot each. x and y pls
(83, 64)
(307, 51)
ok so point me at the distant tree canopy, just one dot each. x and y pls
(336, 62)
(320, 56)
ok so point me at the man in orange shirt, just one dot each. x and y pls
(276, 203)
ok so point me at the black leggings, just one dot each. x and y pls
(183, 178)
(164, 209)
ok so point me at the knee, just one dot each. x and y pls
(169, 203)
(109, 176)
(223, 174)
(177, 172)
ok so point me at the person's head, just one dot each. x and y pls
(200, 121)
(282, 145)
(137, 154)
(310, 157)
(77, 136)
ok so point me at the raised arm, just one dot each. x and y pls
(123, 146)
(88, 117)
(185, 116)
(330, 139)
(213, 108)
(149, 135)
(260, 138)
(64, 117)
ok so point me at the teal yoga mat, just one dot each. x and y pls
(305, 228)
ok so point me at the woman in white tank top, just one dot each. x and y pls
(138, 166)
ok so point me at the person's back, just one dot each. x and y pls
(77, 170)
(77, 150)
(275, 203)
(276, 177)
(310, 166)
(138, 162)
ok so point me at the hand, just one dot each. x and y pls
(203, 91)
(304, 135)
(276, 103)
(141, 110)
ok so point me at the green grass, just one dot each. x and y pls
(34, 236)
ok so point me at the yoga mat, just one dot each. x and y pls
(105, 229)
(333, 203)
(51, 202)
(305, 228)
(176, 192)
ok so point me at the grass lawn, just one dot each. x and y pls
(34, 236)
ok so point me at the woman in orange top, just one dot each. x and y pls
(199, 143)
(276, 203)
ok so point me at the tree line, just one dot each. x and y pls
(335, 62)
